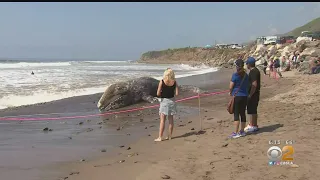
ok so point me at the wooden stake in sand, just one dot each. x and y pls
(200, 112)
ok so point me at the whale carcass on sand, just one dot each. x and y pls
(133, 91)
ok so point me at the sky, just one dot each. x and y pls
(123, 31)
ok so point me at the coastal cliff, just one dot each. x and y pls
(308, 50)
(196, 55)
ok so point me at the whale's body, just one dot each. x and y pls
(133, 91)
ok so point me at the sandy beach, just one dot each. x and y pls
(71, 140)
(287, 111)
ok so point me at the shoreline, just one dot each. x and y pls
(94, 134)
(94, 95)
(209, 155)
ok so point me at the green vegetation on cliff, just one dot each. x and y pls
(156, 54)
(313, 26)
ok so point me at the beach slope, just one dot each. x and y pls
(287, 112)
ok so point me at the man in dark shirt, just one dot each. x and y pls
(254, 94)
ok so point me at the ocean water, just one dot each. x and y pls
(26, 151)
(54, 80)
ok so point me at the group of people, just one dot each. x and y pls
(277, 64)
(244, 87)
(246, 91)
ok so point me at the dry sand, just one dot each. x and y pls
(288, 110)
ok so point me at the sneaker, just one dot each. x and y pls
(247, 127)
(234, 135)
(242, 133)
(250, 129)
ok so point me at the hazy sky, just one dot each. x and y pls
(122, 31)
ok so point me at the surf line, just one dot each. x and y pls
(110, 113)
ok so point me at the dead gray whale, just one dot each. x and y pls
(133, 91)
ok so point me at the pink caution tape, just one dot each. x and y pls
(107, 113)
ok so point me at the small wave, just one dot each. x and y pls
(98, 62)
(202, 69)
(32, 64)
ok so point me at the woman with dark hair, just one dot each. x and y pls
(239, 89)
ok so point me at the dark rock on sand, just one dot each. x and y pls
(122, 161)
(192, 129)
(103, 150)
(46, 129)
(225, 145)
(89, 129)
(80, 123)
(128, 148)
(74, 173)
(165, 177)
(121, 146)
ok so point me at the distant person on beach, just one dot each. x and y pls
(254, 95)
(295, 58)
(271, 67)
(239, 88)
(288, 64)
(277, 66)
(32, 73)
(167, 89)
(265, 64)
(283, 63)
(315, 66)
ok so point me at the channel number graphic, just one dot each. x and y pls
(274, 153)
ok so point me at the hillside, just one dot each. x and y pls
(313, 25)
(193, 55)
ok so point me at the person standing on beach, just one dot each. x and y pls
(277, 66)
(270, 67)
(265, 64)
(254, 95)
(167, 89)
(239, 88)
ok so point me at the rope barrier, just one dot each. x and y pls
(109, 113)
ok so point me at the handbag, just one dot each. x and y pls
(231, 102)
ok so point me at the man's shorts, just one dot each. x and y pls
(253, 102)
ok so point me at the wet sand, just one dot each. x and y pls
(27, 152)
(287, 111)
